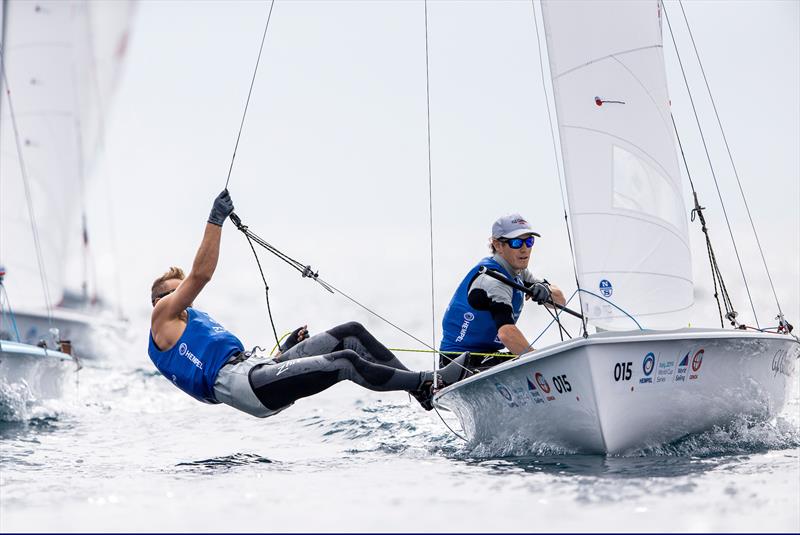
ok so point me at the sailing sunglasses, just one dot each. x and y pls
(159, 296)
(516, 243)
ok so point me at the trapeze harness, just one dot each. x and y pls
(465, 328)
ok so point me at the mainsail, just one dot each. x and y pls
(621, 168)
(61, 60)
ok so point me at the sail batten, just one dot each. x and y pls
(622, 179)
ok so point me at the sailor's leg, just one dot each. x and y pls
(351, 335)
(319, 344)
(354, 336)
(279, 385)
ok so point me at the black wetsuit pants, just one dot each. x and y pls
(346, 352)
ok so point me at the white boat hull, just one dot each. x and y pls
(614, 392)
(85, 331)
(30, 374)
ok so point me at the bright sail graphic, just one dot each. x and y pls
(61, 59)
(621, 168)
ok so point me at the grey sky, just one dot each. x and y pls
(332, 166)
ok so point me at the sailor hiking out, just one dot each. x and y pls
(209, 363)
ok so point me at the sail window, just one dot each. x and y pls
(638, 186)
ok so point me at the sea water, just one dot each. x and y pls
(126, 451)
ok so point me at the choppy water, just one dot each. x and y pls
(126, 451)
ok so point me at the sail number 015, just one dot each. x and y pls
(562, 385)
(622, 371)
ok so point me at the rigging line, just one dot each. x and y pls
(266, 290)
(306, 272)
(430, 185)
(710, 165)
(558, 165)
(557, 317)
(430, 225)
(4, 293)
(530, 346)
(24, 172)
(354, 301)
(250, 92)
(699, 211)
(448, 425)
(730, 156)
(430, 218)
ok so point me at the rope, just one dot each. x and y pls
(559, 171)
(250, 92)
(278, 343)
(712, 259)
(405, 350)
(308, 272)
(24, 172)
(430, 219)
(4, 297)
(710, 165)
(613, 305)
(430, 186)
(266, 289)
(730, 157)
(558, 315)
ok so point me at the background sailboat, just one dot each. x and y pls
(61, 61)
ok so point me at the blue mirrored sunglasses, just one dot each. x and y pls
(516, 243)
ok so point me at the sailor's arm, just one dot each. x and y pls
(557, 295)
(555, 292)
(487, 293)
(204, 265)
(513, 339)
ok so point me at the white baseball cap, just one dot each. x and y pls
(512, 226)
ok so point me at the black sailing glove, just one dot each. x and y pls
(540, 292)
(223, 207)
(297, 336)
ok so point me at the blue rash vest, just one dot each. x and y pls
(193, 363)
(467, 329)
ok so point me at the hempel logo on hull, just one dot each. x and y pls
(658, 370)
(648, 365)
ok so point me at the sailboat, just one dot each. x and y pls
(644, 378)
(61, 61)
(59, 64)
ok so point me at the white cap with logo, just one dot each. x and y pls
(512, 226)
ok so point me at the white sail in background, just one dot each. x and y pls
(621, 169)
(61, 59)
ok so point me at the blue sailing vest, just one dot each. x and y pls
(193, 363)
(467, 329)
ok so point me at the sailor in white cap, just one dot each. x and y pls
(483, 312)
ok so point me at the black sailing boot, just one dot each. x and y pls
(452, 373)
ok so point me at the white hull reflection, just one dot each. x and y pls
(614, 392)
